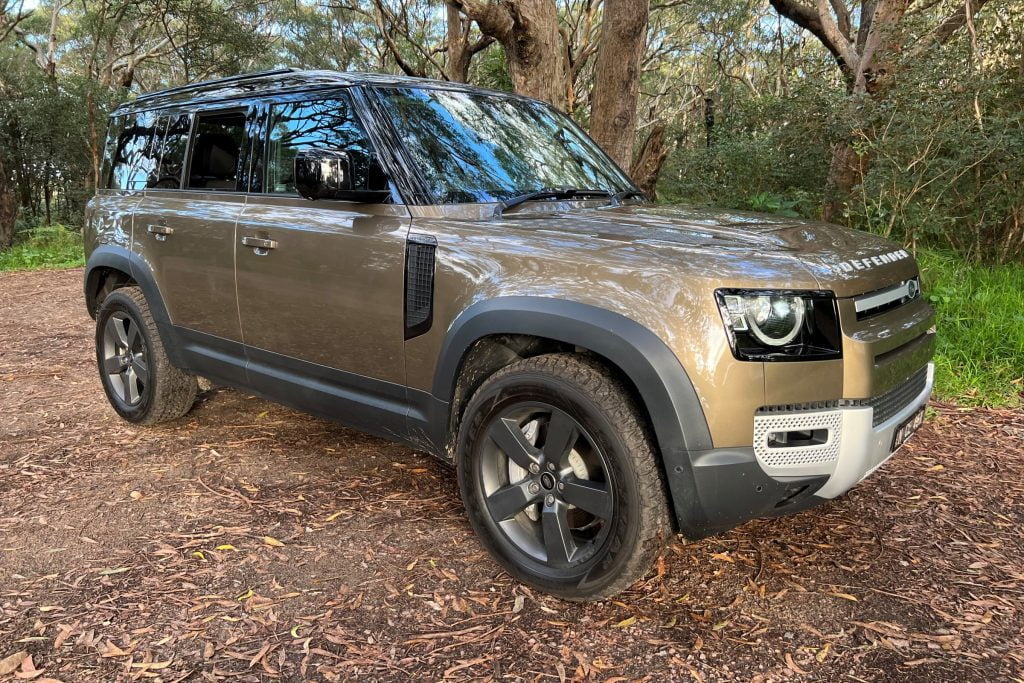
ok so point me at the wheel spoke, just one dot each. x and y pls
(141, 369)
(511, 440)
(560, 438)
(131, 385)
(558, 541)
(133, 334)
(112, 365)
(591, 496)
(508, 501)
(115, 330)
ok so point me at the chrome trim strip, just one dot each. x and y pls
(908, 289)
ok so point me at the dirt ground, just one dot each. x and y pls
(250, 542)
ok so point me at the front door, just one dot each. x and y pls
(320, 282)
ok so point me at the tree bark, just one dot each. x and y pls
(460, 50)
(8, 208)
(647, 167)
(617, 77)
(528, 31)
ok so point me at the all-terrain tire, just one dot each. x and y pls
(168, 392)
(601, 408)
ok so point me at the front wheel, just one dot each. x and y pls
(559, 477)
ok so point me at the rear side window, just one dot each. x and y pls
(322, 124)
(135, 153)
(172, 145)
(217, 158)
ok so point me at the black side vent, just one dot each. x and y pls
(419, 284)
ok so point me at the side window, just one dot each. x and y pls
(135, 155)
(114, 129)
(322, 124)
(217, 157)
(171, 152)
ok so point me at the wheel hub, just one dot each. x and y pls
(547, 480)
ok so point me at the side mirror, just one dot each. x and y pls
(327, 174)
(323, 174)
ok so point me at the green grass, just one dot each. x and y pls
(53, 246)
(979, 358)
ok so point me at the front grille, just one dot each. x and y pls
(884, 405)
(893, 401)
(879, 301)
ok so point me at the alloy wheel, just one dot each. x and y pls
(546, 485)
(125, 362)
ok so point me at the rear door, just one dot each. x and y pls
(325, 301)
(185, 230)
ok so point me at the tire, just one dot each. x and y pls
(141, 385)
(560, 479)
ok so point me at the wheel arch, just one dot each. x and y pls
(667, 397)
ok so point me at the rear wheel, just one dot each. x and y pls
(559, 477)
(138, 378)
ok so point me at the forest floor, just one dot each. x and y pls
(250, 542)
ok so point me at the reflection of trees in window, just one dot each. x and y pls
(134, 159)
(478, 147)
(172, 152)
(323, 125)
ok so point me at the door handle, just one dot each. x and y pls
(260, 246)
(159, 231)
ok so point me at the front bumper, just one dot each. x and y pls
(771, 479)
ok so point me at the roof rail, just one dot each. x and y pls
(217, 81)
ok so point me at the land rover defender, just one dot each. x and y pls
(466, 272)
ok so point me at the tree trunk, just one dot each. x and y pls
(649, 161)
(457, 64)
(617, 77)
(845, 173)
(8, 208)
(528, 31)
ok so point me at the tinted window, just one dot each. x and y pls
(217, 159)
(323, 124)
(114, 129)
(172, 145)
(479, 147)
(135, 156)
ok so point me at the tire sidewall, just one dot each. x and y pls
(118, 302)
(532, 386)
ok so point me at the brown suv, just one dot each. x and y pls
(466, 272)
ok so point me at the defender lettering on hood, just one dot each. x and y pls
(872, 261)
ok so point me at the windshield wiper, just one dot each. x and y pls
(619, 197)
(549, 193)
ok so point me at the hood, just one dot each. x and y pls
(757, 249)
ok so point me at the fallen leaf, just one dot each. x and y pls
(12, 662)
(724, 557)
(625, 623)
(226, 546)
(517, 607)
(271, 541)
(111, 572)
(844, 596)
(936, 468)
(792, 665)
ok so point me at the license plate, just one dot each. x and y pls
(907, 429)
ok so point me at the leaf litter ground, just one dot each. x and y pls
(249, 542)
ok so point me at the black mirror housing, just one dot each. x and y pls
(328, 174)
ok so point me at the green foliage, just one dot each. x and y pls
(980, 318)
(54, 246)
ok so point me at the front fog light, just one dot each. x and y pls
(765, 325)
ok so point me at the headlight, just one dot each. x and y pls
(771, 325)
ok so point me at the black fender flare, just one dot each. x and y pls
(668, 396)
(119, 258)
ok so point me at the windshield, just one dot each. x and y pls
(476, 147)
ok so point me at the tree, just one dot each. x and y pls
(617, 77)
(528, 32)
(865, 40)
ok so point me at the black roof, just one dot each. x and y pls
(278, 81)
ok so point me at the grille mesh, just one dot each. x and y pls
(419, 285)
(893, 401)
